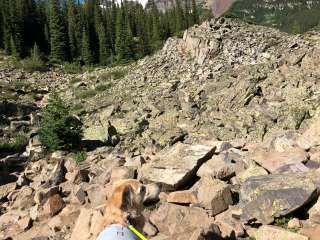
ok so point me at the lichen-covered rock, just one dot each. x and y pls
(277, 233)
(174, 220)
(264, 198)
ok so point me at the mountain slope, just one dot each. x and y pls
(224, 78)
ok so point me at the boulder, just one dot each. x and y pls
(183, 197)
(228, 224)
(53, 205)
(264, 198)
(97, 199)
(176, 166)
(6, 189)
(23, 198)
(25, 223)
(272, 160)
(213, 195)
(87, 225)
(292, 168)
(294, 223)
(42, 195)
(78, 194)
(267, 232)
(312, 233)
(253, 171)
(174, 220)
(66, 218)
(311, 137)
(120, 173)
(314, 212)
(217, 167)
(135, 162)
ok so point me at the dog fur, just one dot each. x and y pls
(125, 203)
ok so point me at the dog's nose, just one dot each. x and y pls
(152, 193)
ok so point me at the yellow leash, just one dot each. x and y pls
(136, 232)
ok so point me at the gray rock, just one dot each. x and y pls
(264, 198)
(213, 195)
(272, 160)
(217, 167)
(181, 222)
(176, 166)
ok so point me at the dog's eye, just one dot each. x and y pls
(142, 189)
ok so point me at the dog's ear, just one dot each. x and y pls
(127, 198)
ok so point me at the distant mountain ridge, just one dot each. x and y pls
(295, 16)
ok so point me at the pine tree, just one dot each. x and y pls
(73, 30)
(124, 40)
(7, 29)
(195, 13)
(180, 23)
(86, 52)
(155, 28)
(104, 49)
(113, 22)
(1, 26)
(13, 48)
(58, 43)
(17, 27)
(35, 53)
(143, 45)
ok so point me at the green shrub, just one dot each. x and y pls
(75, 80)
(86, 94)
(81, 156)
(72, 68)
(115, 74)
(17, 145)
(78, 108)
(102, 87)
(58, 128)
(282, 222)
(33, 63)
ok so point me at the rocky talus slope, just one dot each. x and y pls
(226, 121)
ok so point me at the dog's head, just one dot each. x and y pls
(126, 201)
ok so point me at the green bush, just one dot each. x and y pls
(81, 156)
(33, 63)
(86, 94)
(58, 128)
(102, 87)
(17, 145)
(75, 80)
(72, 68)
(115, 74)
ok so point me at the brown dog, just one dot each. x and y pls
(125, 204)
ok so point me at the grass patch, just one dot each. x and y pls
(86, 94)
(31, 65)
(88, 68)
(75, 80)
(103, 87)
(72, 68)
(80, 156)
(20, 84)
(115, 74)
(78, 109)
(282, 222)
(17, 145)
